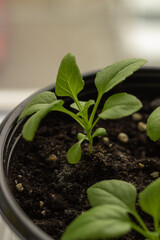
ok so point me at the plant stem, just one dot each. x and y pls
(149, 235)
(156, 224)
(90, 139)
(95, 122)
(153, 236)
(139, 230)
(79, 120)
(77, 102)
(94, 110)
(139, 219)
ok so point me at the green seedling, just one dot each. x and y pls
(113, 203)
(69, 83)
(153, 125)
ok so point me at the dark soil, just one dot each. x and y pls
(54, 191)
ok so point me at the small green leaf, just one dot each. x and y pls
(74, 153)
(102, 222)
(69, 80)
(120, 105)
(88, 104)
(81, 136)
(74, 105)
(116, 73)
(84, 112)
(99, 132)
(84, 105)
(39, 102)
(113, 192)
(149, 199)
(32, 124)
(153, 125)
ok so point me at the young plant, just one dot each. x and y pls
(69, 83)
(153, 125)
(113, 202)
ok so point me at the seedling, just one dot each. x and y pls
(153, 125)
(113, 202)
(69, 83)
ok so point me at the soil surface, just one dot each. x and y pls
(53, 192)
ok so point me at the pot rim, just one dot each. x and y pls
(14, 214)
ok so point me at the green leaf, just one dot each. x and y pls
(153, 125)
(88, 104)
(149, 199)
(84, 112)
(69, 80)
(116, 73)
(120, 105)
(39, 102)
(113, 192)
(32, 124)
(84, 105)
(81, 136)
(74, 105)
(74, 153)
(99, 132)
(102, 222)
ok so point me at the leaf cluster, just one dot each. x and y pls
(69, 83)
(113, 202)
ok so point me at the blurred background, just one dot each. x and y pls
(36, 34)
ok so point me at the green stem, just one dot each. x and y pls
(153, 236)
(77, 102)
(85, 124)
(139, 219)
(95, 122)
(147, 234)
(94, 110)
(139, 230)
(90, 135)
(156, 224)
(79, 120)
(90, 139)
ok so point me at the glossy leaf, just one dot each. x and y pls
(69, 80)
(149, 199)
(99, 132)
(116, 73)
(102, 222)
(113, 192)
(120, 105)
(153, 125)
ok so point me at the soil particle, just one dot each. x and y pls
(19, 187)
(62, 186)
(155, 174)
(142, 126)
(137, 116)
(123, 137)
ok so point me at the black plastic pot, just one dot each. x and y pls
(145, 82)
